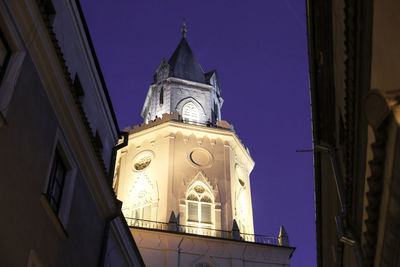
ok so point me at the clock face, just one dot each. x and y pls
(190, 112)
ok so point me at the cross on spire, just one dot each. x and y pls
(184, 30)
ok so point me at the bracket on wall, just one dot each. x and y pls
(336, 173)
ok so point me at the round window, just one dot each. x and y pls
(200, 157)
(142, 161)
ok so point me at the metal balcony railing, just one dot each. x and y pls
(203, 231)
(206, 124)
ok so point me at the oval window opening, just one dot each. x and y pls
(142, 162)
(200, 157)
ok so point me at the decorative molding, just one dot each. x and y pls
(191, 83)
(379, 106)
(165, 117)
(200, 176)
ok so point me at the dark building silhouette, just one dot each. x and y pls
(354, 63)
(57, 133)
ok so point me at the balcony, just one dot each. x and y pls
(194, 230)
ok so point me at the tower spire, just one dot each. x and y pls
(184, 30)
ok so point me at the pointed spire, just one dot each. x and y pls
(172, 224)
(283, 237)
(184, 64)
(184, 30)
(235, 230)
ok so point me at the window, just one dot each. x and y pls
(216, 115)
(56, 182)
(142, 161)
(199, 205)
(143, 213)
(162, 96)
(5, 54)
(58, 188)
(190, 112)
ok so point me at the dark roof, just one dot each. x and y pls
(185, 65)
(208, 75)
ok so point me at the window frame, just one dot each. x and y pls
(191, 118)
(54, 182)
(200, 204)
(161, 97)
(60, 217)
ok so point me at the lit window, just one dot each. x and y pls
(56, 183)
(199, 205)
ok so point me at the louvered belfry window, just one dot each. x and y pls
(199, 205)
(193, 212)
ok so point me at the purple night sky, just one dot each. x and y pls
(259, 49)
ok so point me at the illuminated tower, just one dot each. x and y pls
(185, 172)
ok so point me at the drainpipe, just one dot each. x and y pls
(336, 173)
(341, 226)
(115, 149)
(179, 252)
(117, 212)
(106, 234)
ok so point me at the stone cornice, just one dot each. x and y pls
(190, 83)
(222, 128)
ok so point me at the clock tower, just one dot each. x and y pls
(184, 177)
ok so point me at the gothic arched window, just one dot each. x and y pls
(199, 202)
(161, 100)
(190, 112)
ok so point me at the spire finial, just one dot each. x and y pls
(184, 30)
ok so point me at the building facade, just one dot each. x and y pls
(354, 76)
(184, 176)
(57, 133)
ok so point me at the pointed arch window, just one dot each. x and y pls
(200, 204)
(161, 100)
(190, 112)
